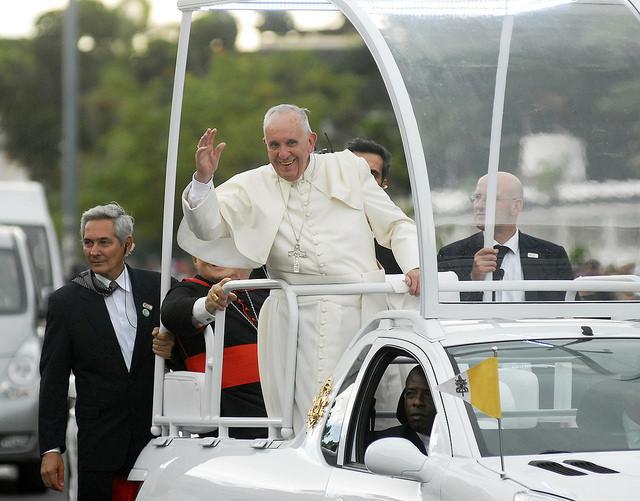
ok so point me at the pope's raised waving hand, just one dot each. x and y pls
(208, 155)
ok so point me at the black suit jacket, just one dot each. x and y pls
(387, 260)
(113, 406)
(551, 263)
(402, 431)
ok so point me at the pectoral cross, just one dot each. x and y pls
(296, 253)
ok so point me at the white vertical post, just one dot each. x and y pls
(169, 196)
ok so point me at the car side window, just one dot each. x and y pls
(379, 409)
(333, 427)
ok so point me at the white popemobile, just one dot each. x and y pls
(546, 90)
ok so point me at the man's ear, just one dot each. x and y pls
(313, 137)
(128, 246)
(518, 205)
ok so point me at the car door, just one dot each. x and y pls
(374, 407)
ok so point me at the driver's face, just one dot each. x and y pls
(418, 404)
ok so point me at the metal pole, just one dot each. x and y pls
(69, 136)
(496, 136)
(169, 196)
(503, 474)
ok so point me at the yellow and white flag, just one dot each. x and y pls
(479, 386)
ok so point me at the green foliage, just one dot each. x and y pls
(210, 34)
(276, 21)
(125, 100)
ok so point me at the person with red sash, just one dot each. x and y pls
(190, 306)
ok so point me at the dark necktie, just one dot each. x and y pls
(499, 273)
(502, 251)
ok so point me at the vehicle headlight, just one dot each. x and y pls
(22, 371)
(537, 496)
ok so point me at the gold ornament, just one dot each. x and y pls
(319, 404)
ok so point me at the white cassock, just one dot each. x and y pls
(257, 218)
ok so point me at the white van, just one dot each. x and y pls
(19, 356)
(23, 204)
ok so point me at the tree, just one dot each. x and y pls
(30, 74)
(277, 22)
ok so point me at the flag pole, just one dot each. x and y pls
(503, 474)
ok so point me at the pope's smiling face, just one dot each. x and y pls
(289, 145)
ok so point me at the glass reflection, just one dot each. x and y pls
(570, 123)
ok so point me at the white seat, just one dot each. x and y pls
(184, 395)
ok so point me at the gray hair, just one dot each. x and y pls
(122, 222)
(303, 115)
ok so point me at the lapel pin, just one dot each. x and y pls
(533, 255)
(146, 309)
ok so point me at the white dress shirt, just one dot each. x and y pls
(425, 440)
(512, 269)
(122, 312)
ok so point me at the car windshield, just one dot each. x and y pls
(39, 250)
(546, 91)
(560, 395)
(12, 290)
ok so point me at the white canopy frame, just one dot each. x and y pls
(430, 306)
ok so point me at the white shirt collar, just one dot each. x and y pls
(513, 243)
(424, 438)
(123, 280)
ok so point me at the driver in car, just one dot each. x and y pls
(416, 412)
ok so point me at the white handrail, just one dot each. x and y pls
(214, 345)
(585, 284)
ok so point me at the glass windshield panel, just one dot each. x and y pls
(39, 250)
(13, 297)
(569, 129)
(560, 395)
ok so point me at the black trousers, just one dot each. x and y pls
(97, 485)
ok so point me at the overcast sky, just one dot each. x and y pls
(18, 20)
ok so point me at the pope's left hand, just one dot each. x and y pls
(413, 281)
(162, 343)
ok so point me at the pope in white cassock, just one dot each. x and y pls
(311, 219)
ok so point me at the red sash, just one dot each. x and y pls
(197, 281)
(239, 365)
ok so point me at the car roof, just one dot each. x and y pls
(8, 236)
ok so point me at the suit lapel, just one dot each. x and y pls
(142, 297)
(528, 263)
(98, 317)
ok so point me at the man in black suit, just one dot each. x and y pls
(416, 411)
(379, 160)
(190, 306)
(515, 255)
(101, 327)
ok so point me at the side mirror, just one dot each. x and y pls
(397, 457)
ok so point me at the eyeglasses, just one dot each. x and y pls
(477, 197)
